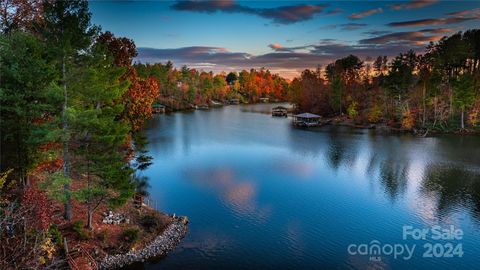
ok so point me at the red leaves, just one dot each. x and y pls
(50, 166)
(36, 203)
(123, 49)
(139, 98)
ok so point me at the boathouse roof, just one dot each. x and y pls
(307, 115)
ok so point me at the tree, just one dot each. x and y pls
(122, 49)
(28, 98)
(231, 78)
(464, 95)
(19, 15)
(67, 31)
(98, 134)
(143, 92)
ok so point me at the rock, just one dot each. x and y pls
(161, 245)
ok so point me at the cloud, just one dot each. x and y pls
(377, 32)
(288, 61)
(352, 26)
(411, 38)
(275, 46)
(365, 13)
(279, 48)
(334, 11)
(468, 12)
(438, 30)
(413, 4)
(282, 15)
(428, 22)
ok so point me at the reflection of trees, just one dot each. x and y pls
(455, 187)
(394, 178)
(342, 149)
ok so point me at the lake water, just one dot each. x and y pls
(261, 194)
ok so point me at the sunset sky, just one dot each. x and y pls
(283, 36)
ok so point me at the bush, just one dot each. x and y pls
(131, 235)
(149, 222)
(55, 234)
(374, 114)
(352, 110)
(79, 228)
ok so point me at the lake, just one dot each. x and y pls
(261, 194)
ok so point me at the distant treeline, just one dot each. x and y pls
(182, 88)
(439, 89)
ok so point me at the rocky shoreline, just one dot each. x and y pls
(162, 244)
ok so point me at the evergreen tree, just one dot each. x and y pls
(28, 99)
(67, 32)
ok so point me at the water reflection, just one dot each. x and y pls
(262, 194)
(236, 193)
(454, 188)
(394, 178)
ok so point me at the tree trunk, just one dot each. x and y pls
(90, 219)
(463, 123)
(66, 187)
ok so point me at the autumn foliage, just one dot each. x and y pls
(139, 98)
(36, 203)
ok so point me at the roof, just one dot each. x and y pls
(307, 115)
(158, 106)
(280, 108)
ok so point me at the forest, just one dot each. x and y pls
(73, 104)
(438, 90)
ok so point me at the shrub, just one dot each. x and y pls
(374, 114)
(149, 222)
(79, 228)
(55, 234)
(408, 120)
(131, 235)
(352, 110)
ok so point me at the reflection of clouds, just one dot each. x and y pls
(238, 194)
(296, 168)
(207, 243)
(295, 237)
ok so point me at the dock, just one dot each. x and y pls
(280, 111)
(307, 120)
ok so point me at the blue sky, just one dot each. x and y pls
(284, 36)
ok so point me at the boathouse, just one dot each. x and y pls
(280, 111)
(158, 108)
(306, 120)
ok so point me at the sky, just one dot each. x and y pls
(283, 36)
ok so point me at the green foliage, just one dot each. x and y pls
(337, 89)
(352, 110)
(131, 235)
(464, 95)
(149, 222)
(79, 227)
(55, 234)
(27, 96)
(54, 185)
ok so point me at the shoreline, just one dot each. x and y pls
(164, 243)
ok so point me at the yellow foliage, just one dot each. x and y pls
(352, 110)
(3, 177)
(473, 117)
(49, 248)
(408, 120)
(374, 114)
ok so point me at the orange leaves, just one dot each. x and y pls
(139, 98)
